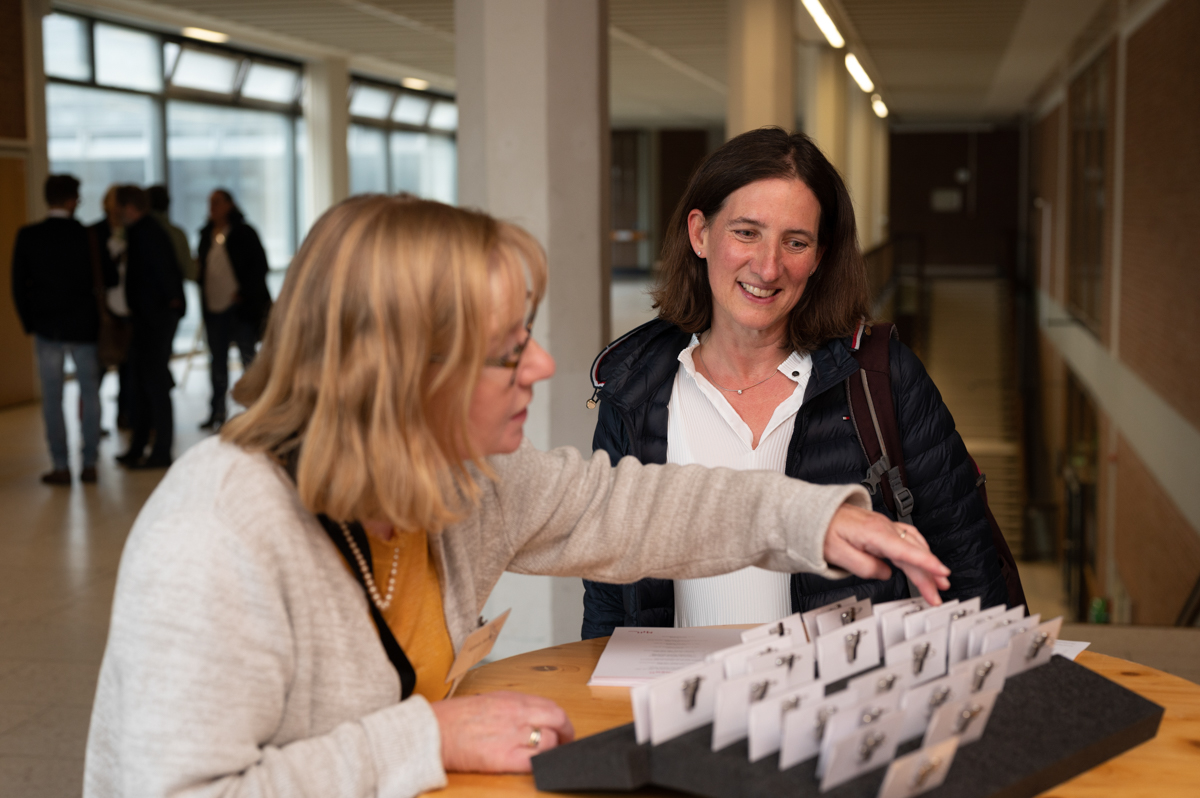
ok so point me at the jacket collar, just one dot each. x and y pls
(631, 368)
(831, 364)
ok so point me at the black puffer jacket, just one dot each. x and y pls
(635, 377)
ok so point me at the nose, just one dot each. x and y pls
(768, 266)
(536, 364)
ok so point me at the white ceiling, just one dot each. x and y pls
(962, 60)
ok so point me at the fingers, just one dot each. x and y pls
(858, 539)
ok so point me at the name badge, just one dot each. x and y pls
(920, 771)
(965, 718)
(735, 697)
(1030, 649)
(849, 650)
(867, 748)
(924, 655)
(766, 716)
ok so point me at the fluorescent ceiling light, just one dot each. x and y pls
(860, 74)
(206, 35)
(817, 12)
(878, 107)
(415, 83)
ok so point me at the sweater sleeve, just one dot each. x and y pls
(200, 664)
(947, 508)
(565, 515)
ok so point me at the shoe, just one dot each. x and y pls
(59, 476)
(213, 423)
(129, 459)
(88, 475)
(152, 463)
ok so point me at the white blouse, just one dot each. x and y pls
(703, 428)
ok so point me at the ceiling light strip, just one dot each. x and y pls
(821, 17)
(860, 75)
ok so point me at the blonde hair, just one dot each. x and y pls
(372, 353)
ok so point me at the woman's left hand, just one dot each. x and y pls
(495, 732)
(859, 540)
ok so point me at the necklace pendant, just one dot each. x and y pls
(739, 393)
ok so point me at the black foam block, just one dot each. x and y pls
(610, 760)
(1048, 725)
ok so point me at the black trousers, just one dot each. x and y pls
(223, 329)
(149, 366)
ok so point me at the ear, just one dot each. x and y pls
(697, 231)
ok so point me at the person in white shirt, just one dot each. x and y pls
(761, 286)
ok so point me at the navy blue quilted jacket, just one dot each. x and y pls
(635, 377)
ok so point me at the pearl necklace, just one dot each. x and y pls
(372, 588)
(738, 391)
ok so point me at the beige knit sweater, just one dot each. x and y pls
(241, 658)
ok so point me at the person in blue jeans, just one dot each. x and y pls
(54, 292)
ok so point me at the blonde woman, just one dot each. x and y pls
(293, 593)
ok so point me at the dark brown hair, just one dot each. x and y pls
(133, 195)
(60, 189)
(837, 296)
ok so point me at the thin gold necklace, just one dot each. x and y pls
(738, 391)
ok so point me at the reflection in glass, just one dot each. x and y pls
(101, 137)
(371, 102)
(411, 109)
(444, 116)
(244, 151)
(368, 160)
(198, 69)
(272, 83)
(66, 48)
(424, 165)
(127, 58)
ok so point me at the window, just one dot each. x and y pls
(1088, 114)
(402, 140)
(232, 120)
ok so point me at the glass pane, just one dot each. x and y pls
(411, 109)
(272, 83)
(368, 160)
(425, 165)
(371, 102)
(66, 51)
(444, 116)
(170, 57)
(128, 58)
(301, 179)
(101, 137)
(243, 151)
(197, 69)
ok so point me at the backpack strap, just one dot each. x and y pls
(399, 660)
(870, 395)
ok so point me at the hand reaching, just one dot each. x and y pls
(858, 538)
(493, 732)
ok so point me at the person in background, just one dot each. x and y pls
(54, 293)
(154, 292)
(109, 233)
(233, 289)
(160, 204)
(761, 286)
(292, 596)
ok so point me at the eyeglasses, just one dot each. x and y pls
(512, 358)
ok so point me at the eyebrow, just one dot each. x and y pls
(756, 223)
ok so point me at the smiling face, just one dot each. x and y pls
(761, 248)
(499, 405)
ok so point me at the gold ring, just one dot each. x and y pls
(535, 737)
(901, 533)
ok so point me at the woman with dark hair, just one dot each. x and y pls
(761, 287)
(233, 286)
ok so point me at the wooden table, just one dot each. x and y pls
(1165, 767)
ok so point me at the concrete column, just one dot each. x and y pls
(825, 101)
(761, 66)
(880, 179)
(327, 116)
(532, 79)
(857, 169)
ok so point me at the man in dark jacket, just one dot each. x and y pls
(633, 380)
(233, 289)
(154, 293)
(54, 291)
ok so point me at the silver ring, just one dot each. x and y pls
(535, 737)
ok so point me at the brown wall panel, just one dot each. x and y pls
(16, 351)
(1158, 552)
(12, 70)
(1044, 163)
(1160, 276)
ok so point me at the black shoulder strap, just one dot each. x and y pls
(408, 677)
(874, 416)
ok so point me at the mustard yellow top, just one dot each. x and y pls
(415, 616)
